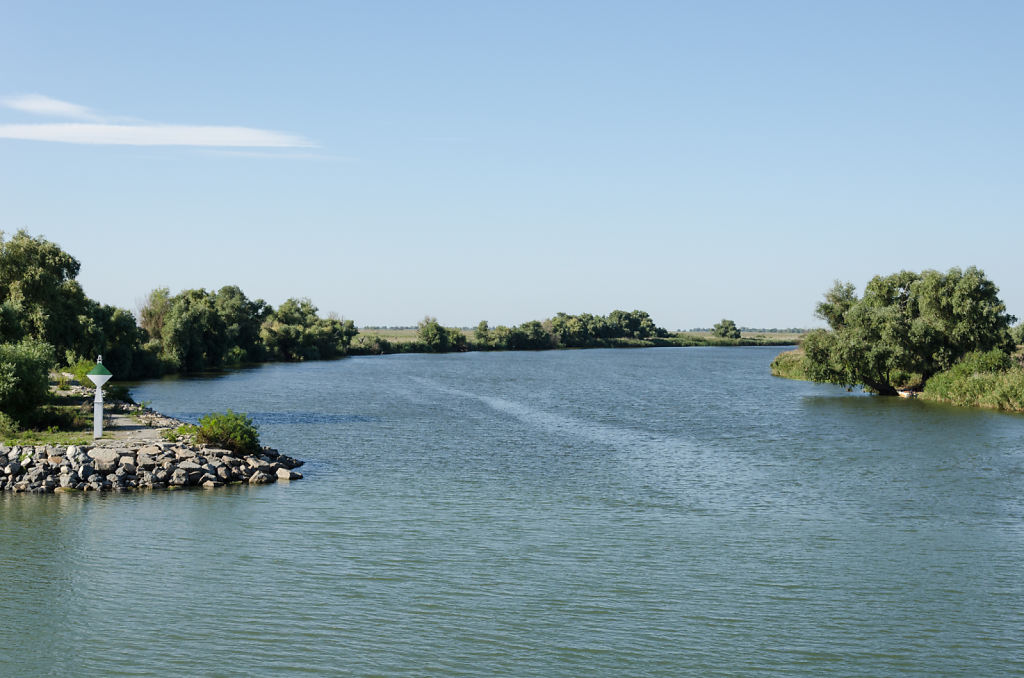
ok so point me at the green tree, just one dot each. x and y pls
(439, 339)
(154, 313)
(111, 332)
(295, 332)
(906, 328)
(531, 335)
(1017, 333)
(243, 319)
(482, 334)
(37, 280)
(11, 328)
(726, 329)
(194, 334)
(432, 334)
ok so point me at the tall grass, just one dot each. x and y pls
(980, 380)
(790, 364)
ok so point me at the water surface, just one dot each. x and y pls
(655, 512)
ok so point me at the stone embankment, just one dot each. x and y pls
(42, 469)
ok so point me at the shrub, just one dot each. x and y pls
(24, 377)
(790, 364)
(232, 431)
(8, 427)
(172, 434)
(726, 329)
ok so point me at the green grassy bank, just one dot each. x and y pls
(993, 380)
(387, 341)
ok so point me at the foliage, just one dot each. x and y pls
(242, 321)
(371, 344)
(790, 364)
(726, 329)
(438, 339)
(154, 312)
(1017, 333)
(111, 332)
(8, 426)
(587, 330)
(906, 328)
(11, 328)
(296, 332)
(38, 287)
(172, 434)
(24, 377)
(194, 334)
(985, 379)
(482, 335)
(229, 430)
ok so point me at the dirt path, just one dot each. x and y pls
(136, 428)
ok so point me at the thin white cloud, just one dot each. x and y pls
(37, 104)
(101, 130)
(298, 155)
(154, 135)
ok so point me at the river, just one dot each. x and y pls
(649, 512)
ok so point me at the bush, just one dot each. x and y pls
(172, 434)
(232, 431)
(726, 329)
(24, 377)
(790, 364)
(985, 379)
(8, 427)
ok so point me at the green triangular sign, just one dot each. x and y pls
(100, 369)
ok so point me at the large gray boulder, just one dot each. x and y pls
(260, 478)
(288, 474)
(105, 460)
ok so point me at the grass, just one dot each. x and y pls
(790, 365)
(980, 380)
(406, 340)
(746, 339)
(64, 420)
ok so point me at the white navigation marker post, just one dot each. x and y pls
(99, 375)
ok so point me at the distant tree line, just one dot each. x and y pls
(46, 321)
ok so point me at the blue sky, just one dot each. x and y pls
(506, 161)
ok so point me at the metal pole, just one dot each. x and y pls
(97, 414)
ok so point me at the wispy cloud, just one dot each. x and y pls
(37, 104)
(297, 155)
(153, 135)
(98, 132)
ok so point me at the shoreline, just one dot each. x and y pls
(136, 457)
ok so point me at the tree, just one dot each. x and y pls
(111, 332)
(432, 334)
(1017, 333)
(726, 329)
(906, 328)
(242, 321)
(482, 334)
(439, 339)
(295, 332)
(37, 280)
(530, 336)
(153, 313)
(194, 335)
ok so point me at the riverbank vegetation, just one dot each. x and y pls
(990, 379)
(946, 336)
(49, 327)
(619, 329)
